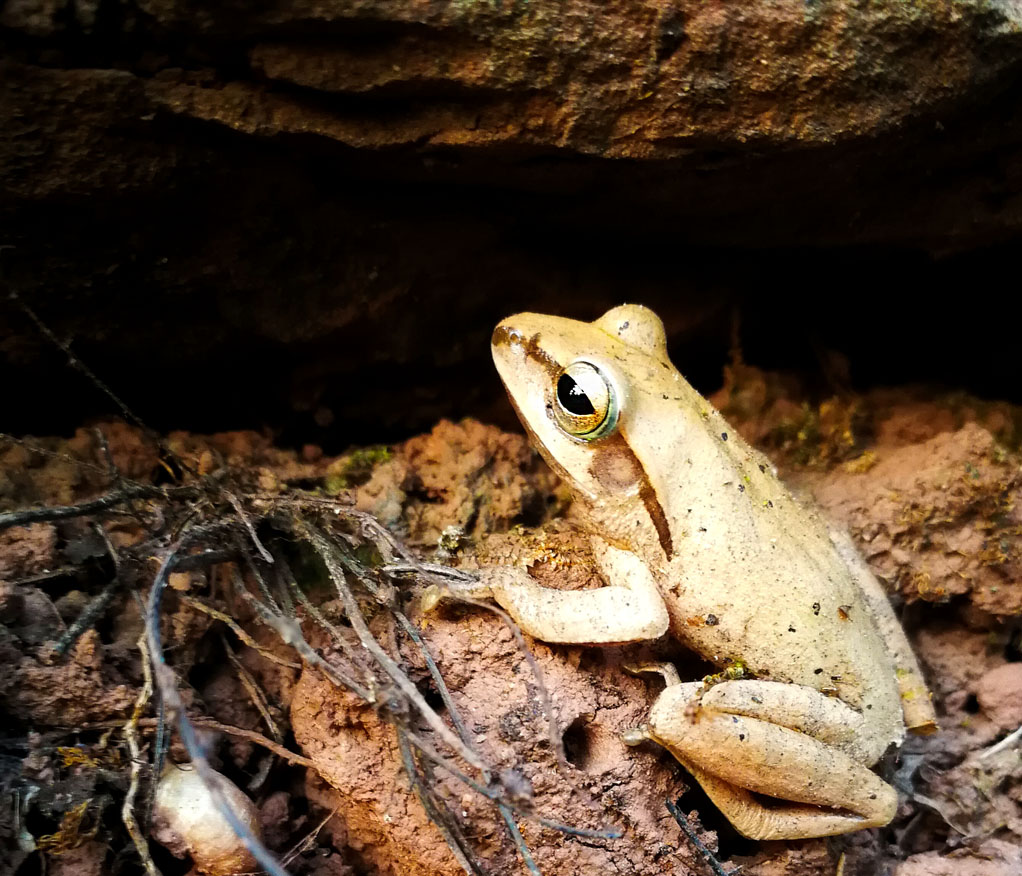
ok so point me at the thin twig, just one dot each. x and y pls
(500, 797)
(235, 628)
(553, 732)
(443, 574)
(336, 635)
(258, 738)
(77, 363)
(459, 725)
(33, 447)
(131, 736)
(697, 844)
(519, 841)
(92, 612)
(434, 672)
(290, 633)
(255, 694)
(166, 682)
(446, 574)
(48, 575)
(126, 493)
(1009, 741)
(306, 841)
(325, 549)
(249, 528)
(205, 558)
(113, 473)
(94, 379)
(455, 840)
(264, 588)
(258, 698)
(204, 723)
(371, 524)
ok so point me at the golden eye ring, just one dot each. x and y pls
(585, 404)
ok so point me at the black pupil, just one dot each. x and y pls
(572, 397)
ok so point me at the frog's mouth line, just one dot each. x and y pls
(555, 466)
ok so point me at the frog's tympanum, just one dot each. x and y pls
(694, 534)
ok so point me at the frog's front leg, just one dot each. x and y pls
(630, 609)
(785, 741)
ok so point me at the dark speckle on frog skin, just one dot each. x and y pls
(505, 336)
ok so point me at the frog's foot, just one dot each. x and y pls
(632, 611)
(666, 670)
(782, 741)
(755, 820)
(434, 594)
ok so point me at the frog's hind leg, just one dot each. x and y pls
(632, 611)
(755, 820)
(916, 705)
(742, 753)
(827, 719)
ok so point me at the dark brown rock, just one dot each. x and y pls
(275, 215)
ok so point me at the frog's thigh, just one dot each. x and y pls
(915, 698)
(827, 719)
(634, 611)
(753, 754)
(756, 821)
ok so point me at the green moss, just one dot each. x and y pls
(820, 436)
(355, 467)
(309, 570)
(368, 555)
(735, 669)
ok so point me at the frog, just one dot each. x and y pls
(695, 536)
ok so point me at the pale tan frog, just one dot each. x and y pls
(693, 532)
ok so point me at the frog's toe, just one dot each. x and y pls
(633, 736)
(667, 670)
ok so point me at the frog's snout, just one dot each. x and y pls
(505, 335)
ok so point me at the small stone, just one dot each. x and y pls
(1000, 695)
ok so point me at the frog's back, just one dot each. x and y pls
(759, 582)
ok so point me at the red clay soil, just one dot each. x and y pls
(929, 489)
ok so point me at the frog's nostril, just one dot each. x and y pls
(505, 335)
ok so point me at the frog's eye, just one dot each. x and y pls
(585, 405)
